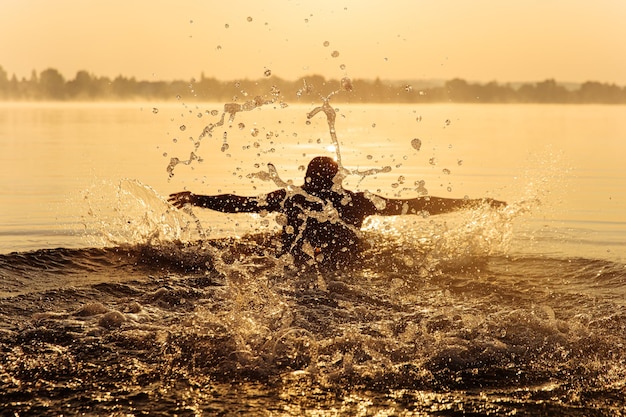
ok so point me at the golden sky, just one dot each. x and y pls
(478, 40)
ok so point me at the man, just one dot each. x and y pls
(322, 218)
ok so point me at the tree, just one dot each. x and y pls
(82, 86)
(595, 92)
(549, 91)
(52, 84)
(124, 87)
(4, 83)
(460, 91)
(492, 92)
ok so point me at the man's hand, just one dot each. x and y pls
(180, 200)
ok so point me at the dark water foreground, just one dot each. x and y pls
(223, 328)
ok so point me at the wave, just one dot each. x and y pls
(167, 323)
(383, 258)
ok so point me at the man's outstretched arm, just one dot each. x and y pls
(431, 205)
(230, 203)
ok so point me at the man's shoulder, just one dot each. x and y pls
(359, 195)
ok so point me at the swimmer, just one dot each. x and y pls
(323, 220)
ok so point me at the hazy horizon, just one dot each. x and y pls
(434, 81)
(481, 41)
(50, 84)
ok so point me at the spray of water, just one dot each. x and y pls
(230, 109)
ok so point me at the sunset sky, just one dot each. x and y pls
(478, 40)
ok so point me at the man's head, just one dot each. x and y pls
(320, 173)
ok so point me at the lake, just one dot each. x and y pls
(112, 301)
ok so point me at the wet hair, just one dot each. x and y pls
(320, 173)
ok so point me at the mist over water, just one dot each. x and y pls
(155, 310)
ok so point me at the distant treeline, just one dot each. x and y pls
(51, 85)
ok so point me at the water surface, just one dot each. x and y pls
(112, 302)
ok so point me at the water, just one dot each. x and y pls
(112, 302)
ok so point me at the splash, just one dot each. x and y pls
(331, 115)
(428, 248)
(502, 340)
(138, 215)
(230, 109)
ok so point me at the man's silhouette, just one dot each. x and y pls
(323, 219)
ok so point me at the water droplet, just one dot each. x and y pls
(449, 189)
(178, 97)
(373, 124)
(408, 88)
(164, 154)
(395, 185)
(268, 72)
(226, 25)
(460, 162)
(249, 19)
(254, 132)
(199, 115)
(155, 110)
(369, 157)
(446, 171)
(225, 147)
(301, 168)
(241, 126)
(183, 127)
(447, 122)
(346, 84)
(416, 144)
(432, 161)
(342, 66)
(175, 140)
(326, 43)
(214, 112)
(219, 47)
(335, 54)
